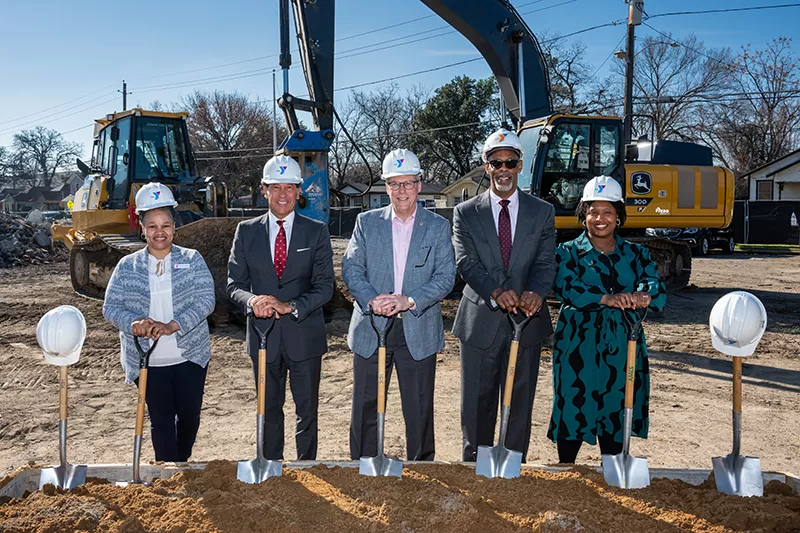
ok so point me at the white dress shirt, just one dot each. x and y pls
(167, 352)
(513, 211)
(274, 228)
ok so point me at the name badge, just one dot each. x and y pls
(181, 266)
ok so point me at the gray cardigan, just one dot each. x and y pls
(128, 298)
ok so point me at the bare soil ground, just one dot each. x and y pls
(690, 402)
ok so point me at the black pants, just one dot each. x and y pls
(174, 398)
(304, 381)
(483, 374)
(568, 449)
(416, 380)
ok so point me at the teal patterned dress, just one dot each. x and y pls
(590, 342)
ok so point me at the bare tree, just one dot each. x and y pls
(757, 121)
(42, 152)
(232, 137)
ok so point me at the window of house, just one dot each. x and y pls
(764, 190)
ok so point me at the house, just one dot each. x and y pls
(430, 197)
(777, 180)
(7, 203)
(41, 198)
(465, 188)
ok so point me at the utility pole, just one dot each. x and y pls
(635, 8)
(125, 94)
(274, 116)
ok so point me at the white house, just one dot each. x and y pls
(431, 195)
(777, 180)
(466, 187)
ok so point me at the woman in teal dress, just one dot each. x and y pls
(600, 275)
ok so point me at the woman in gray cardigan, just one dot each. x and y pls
(164, 292)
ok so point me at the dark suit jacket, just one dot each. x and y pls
(308, 280)
(532, 267)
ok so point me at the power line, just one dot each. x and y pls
(57, 106)
(613, 50)
(94, 105)
(670, 38)
(726, 10)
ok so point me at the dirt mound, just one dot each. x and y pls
(22, 243)
(441, 498)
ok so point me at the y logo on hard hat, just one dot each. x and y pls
(400, 163)
(283, 169)
(502, 137)
(156, 194)
(600, 188)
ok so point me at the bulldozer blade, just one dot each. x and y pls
(738, 475)
(258, 470)
(626, 471)
(65, 476)
(380, 466)
(498, 461)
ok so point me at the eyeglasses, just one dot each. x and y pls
(497, 164)
(407, 185)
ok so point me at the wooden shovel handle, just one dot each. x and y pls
(262, 380)
(512, 367)
(737, 384)
(62, 392)
(381, 379)
(630, 374)
(140, 401)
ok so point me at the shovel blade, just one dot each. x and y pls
(64, 476)
(380, 466)
(738, 475)
(626, 471)
(498, 461)
(258, 470)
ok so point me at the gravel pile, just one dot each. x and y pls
(22, 243)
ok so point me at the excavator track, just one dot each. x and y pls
(674, 260)
(92, 262)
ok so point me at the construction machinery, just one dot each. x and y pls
(667, 184)
(130, 149)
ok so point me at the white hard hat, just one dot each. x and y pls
(603, 188)
(282, 169)
(501, 139)
(400, 162)
(152, 196)
(737, 322)
(60, 333)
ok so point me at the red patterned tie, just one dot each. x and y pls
(280, 250)
(504, 232)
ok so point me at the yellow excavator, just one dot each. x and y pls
(130, 149)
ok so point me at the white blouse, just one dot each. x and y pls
(167, 352)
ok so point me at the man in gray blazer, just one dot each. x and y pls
(505, 251)
(281, 266)
(399, 263)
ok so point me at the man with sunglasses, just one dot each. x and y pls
(505, 252)
(399, 262)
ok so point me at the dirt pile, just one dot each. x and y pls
(22, 243)
(441, 498)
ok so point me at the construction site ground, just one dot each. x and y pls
(690, 398)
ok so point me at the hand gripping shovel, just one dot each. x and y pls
(624, 470)
(499, 461)
(735, 474)
(144, 364)
(259, 469)
(65, 475)
(380, 465)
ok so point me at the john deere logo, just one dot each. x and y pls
(400, 163)
(641, 183)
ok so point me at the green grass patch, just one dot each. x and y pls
(777, 247)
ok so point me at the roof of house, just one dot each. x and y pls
(379, 187)
(762, 167)
(37, 194)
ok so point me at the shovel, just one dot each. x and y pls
(380, 465)
(735, 474)
(499, 461)
(144, 364)
(65, 475)
(259, 469)
(624, 470)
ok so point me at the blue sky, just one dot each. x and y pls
(62, 62)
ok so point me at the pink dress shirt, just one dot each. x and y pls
(401, 240)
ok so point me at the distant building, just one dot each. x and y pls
(465, 188)
(376, 197)
(777, 180)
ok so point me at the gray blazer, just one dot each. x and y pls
(368, 270)
(128, 298)
(532, 267)
(308, 280)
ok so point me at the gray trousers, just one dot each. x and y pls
(483, 374)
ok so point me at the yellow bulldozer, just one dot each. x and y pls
(130, 149)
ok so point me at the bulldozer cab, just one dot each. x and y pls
(136, 147)
(563, 152)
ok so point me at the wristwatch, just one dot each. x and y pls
(411, 302)
(293, 306)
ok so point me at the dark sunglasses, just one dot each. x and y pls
(509, 163)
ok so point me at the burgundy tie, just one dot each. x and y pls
(280, 250)
(504, 232)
